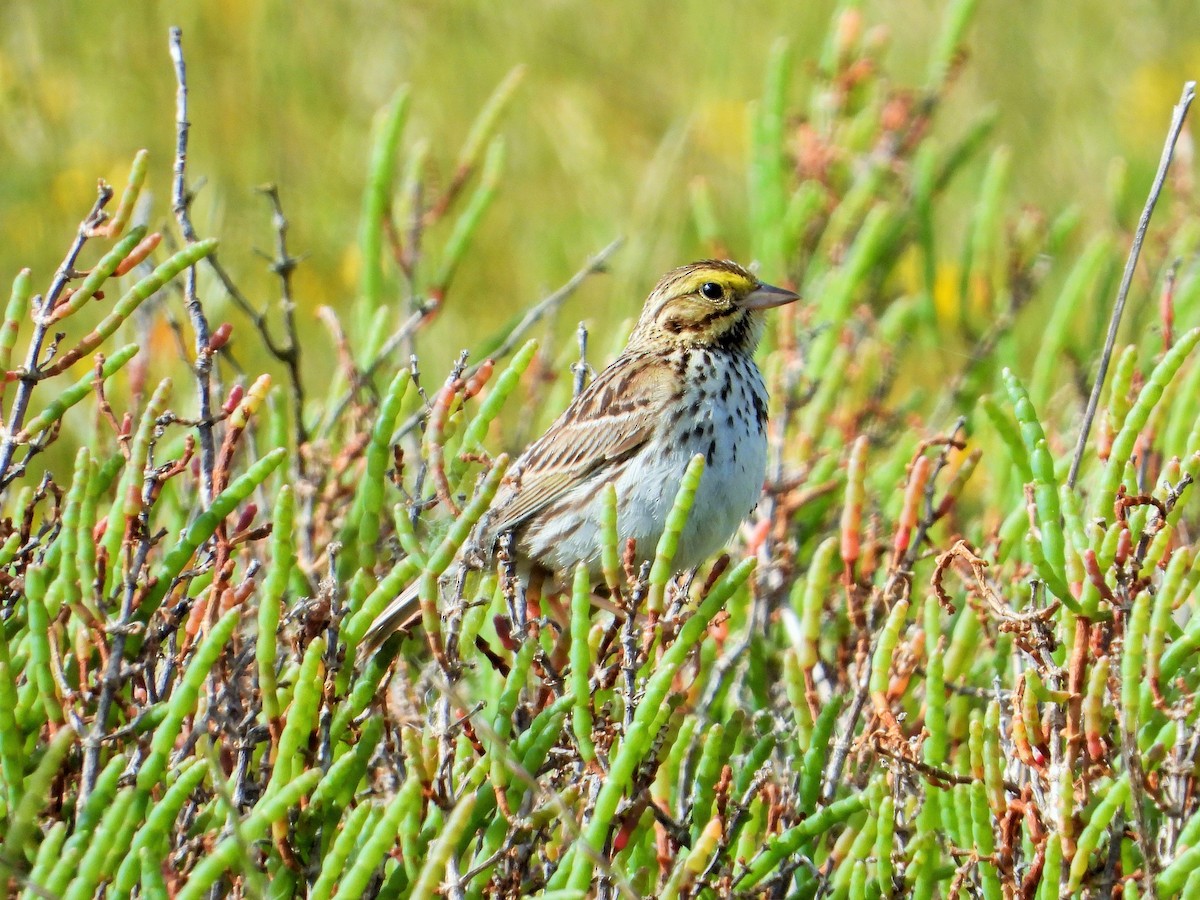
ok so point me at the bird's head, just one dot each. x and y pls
(713, 303)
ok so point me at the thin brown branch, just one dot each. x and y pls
(180, 204)
(1135, 250)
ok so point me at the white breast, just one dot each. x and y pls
(728, 429)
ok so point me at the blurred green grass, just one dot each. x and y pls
(620, 109)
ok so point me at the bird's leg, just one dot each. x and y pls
(514, 594)
(533, 601)
(455, 608)
(474, 554)
(630, 649)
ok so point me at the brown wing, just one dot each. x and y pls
(610, 420)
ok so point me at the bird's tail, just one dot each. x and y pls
(400, 615)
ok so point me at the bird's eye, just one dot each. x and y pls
(712, 290)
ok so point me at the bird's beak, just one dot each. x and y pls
(767, 296)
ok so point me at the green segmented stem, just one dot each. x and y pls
(984, 837)
(922, 871)
(535, 744)
(581, 663)
(183, 702)
(1089, 838)
(956, 17)
(38, 675)
(441, 849)
(754, 760)
(301, 718)
(270, 604)
(361, 695)
(8, 550)
(58, 873)
(993, 761)
(983, 254)
(885, 649)
(159, 822)
(412, 841)
(440, 559)
(85, 542)
(501, 389)
(68, 586)
(253, 827)
(1119, 402)
(1133, 661)
(664, 555)
(1010, 434)
(131, 300)
(692, 862)
(965, 149)
(14, 314)
(373, 849)
(488, 117)
(333, 866)
(610, 558)
(835, 302)
(127, 501)
(467, 223)
(381, 174)
(851, 212)
(112, 836)
(22, 821)
(1135, 421)
(371, 489)
(88, 816)
(1153, 742)
(133, 190)
(12, 748)
(153, 885)
(1172, 879)
(816, 754)
(100, 273)
(885, 844)
(506, 703)
(712, 759)
(789, 842)
(1071, 505)
(1156, 637)
(49, 852)
(936, 746)
(70, 396)
(1052, 870)
(812, 602)
(679, 736)
(638, 738)
(1045, 490)
(406, 534)
(1094, 697)
(857, 844)
(336, 789)
(389, 587)
(793, 679)
(203, 526)
(805, 204)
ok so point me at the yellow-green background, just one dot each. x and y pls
(623, 104)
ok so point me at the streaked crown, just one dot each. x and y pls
(712, 303)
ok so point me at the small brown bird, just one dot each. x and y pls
(686, 384)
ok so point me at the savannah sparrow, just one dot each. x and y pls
(685, 384)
